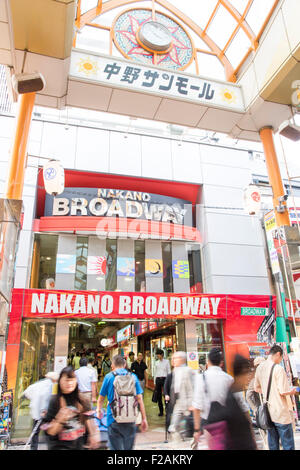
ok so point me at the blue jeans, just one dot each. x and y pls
(283, 432)
(121, 436)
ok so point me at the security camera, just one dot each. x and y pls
(283, 198)
(290, 131)
(28, 82)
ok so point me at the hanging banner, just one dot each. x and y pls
(37, 303)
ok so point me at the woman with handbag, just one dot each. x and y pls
(240, 435)
(68, 420)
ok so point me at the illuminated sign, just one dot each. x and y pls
(119, 203)
(123, 334)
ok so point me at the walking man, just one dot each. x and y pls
(162, 369)
(139, 368)
(121, 416)
(87, 382)
(39, 395)
(280, 403)
(178, 391)
(217, 384)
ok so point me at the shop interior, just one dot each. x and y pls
(93, 338)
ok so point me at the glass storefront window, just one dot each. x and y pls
(43, 260)
(167, 267)
(209, 335)
(35, 360)
(81, 263)
(140, 279)
(111, 265)
(194, 257)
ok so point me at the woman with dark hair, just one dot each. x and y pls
(239, 426)
(68, 421)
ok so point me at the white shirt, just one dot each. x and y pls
(39, 395)
(217, 383)
(162, 368)
(95, 370)
(85, 377)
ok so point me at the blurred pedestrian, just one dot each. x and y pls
(210, 387)
(139, 368)
(162, 369)
(239, 427)
(92, 364)
(252, 396)
(76, 360)
(130, 360)
(39, 395)
(87, 382)
(67, 420)
(106, 365)
(279, 403)
(122, 409)
(178, 391)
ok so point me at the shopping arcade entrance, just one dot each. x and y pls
(40, 324)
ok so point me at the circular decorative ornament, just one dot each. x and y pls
(161, 42)
(154, 36)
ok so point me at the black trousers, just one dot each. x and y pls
(159, 385)
(35, 438)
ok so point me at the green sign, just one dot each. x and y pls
(257, 312)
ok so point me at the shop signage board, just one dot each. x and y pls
(124, 333)
(266, 332)
(124, 74)
(37, 303)
(270, 226)
(103, 202)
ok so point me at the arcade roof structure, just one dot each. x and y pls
(224, 32)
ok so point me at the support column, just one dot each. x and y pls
(282, 218)
(15, 180)
(266, 135)
(61, 345)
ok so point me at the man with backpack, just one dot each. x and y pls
(125, 401)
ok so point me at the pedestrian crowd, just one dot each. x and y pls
(210, 404)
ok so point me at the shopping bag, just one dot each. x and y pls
(155, 396)
(189, 426)
(216, 435)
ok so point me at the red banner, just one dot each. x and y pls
(36, 303)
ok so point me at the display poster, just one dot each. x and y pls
(153, 267)
(65, 264)
(96, 265)
(59, 363)
(125, 267)
(267, 329)
(181, 269)
(192, 360)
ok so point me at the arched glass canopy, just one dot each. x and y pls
(211, 38)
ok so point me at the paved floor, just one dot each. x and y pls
(155, 437)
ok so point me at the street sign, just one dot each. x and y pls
(250, 311)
